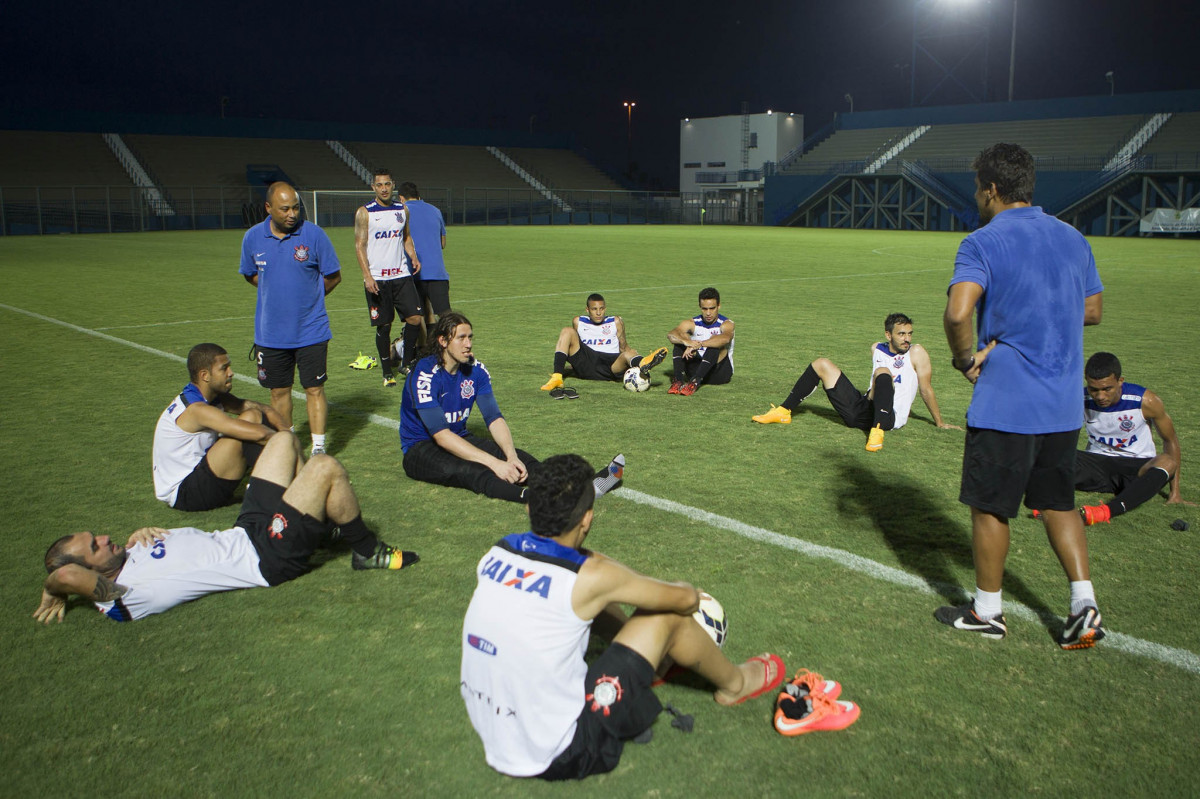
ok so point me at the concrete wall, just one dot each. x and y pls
(713, 141)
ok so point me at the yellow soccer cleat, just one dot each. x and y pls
(875, 439)
(363, 362)
(777, 415)
(554, 382)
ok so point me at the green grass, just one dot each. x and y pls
(345, 683)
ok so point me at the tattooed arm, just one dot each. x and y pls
(74, 579)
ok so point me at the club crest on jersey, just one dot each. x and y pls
(400, 217)
(467, 389)
(898, 363)
(605, 694)
(1125, 423)
(278, 525)
(301, 253)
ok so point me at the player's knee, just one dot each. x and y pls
(252, 415)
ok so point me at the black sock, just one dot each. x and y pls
(560, 362)
(1140, 490)
(678, 364)
(883, 399)
(383, 346)
(359, 536)
(707, 361)
(636, 360)
(806, 385)
(411, 334)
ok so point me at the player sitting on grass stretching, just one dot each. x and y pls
(287, 514)
(538, 707)
(595, 347)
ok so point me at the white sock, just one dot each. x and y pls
(318, 440)
(1082, 596)
(612, 475)
(988, 604)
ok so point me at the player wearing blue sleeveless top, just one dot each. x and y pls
(438, 397)
(703, 347)
(1120, 458)
(428, 231)
(1032, 282)
(292, 264)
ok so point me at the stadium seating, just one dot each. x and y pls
(561, 169)
(35, 158)
(844, 147)
(1179, 137)
(437, 165)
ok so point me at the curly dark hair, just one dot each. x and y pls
(1011, 168)
(560, 493)
(445, 326)
(1101, 365)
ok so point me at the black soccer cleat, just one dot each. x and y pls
(385, 557)
(963, 618)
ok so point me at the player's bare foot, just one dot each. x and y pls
(760, 674)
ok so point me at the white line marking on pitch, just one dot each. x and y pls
(1179, 658)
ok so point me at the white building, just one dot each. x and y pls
(722, 158)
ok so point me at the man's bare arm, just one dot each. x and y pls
(74, 579)
(603, 581)
(1093, 309)
(361, 219)
(924, 370)
(1155, 411)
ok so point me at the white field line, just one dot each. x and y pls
(606, 290)
(1179, 658)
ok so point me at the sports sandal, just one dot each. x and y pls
(768, 684)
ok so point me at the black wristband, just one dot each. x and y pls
(963, 369)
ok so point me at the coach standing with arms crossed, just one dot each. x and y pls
(1034, 282)
(292, 264)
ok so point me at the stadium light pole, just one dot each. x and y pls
(1012, 52)
(1112, 83)
(850, 99)
(629, 133)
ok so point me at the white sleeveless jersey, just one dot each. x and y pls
(385, 241)
(176, 451)
(185, 565)
(1120, 429)
(601, 337)
(703, 332)
(523, 670)
(904, 379)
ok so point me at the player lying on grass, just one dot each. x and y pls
(1120, 457)
(538, 707)
(201, 452)
(595, 347)
(901, 369)
(288, 512)
(438, 397)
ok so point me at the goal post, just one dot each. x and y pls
(334, 207)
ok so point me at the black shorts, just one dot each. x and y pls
(619, 705)
(203, 490)
(435, 294)
(396, 297)
(284, 537)
(429, 463)
(591, 365)
(720, 374)
(852, 405)
(1106, 474)
(999, 468)
(276, 367)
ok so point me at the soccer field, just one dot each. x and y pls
(345, 683)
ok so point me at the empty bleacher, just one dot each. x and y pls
(1180, 136)
(561, 169)
(437, 165)
(844, 147)
(1056, 143)
(35, 158)
(207, 161)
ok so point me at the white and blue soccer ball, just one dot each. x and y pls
(634, 381)
(711, 616)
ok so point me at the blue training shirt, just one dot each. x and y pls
(290, 310)
(429, 386)
(426, 226)
(1036, 272)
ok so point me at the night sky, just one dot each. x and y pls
(567, 67)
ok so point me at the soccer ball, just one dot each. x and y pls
(711, 616)
(634, 381)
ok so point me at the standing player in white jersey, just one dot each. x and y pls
(388, 261)
(287, 514)
(703, 347)
(201, 452)
(1120, 458)
(899, 370)
(596, 348)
